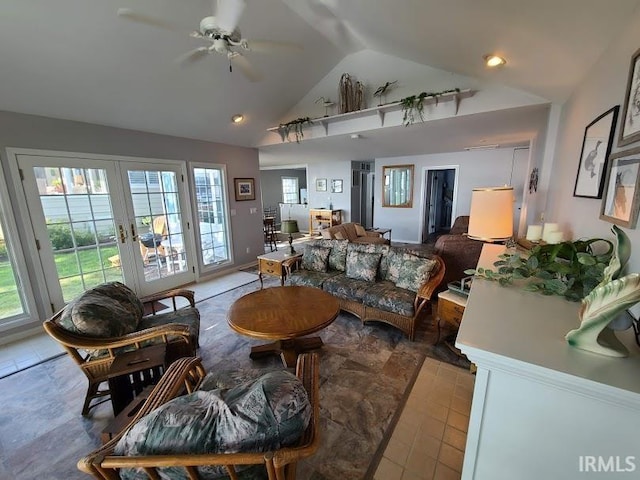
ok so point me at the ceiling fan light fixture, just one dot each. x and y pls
(492, 60)
(237, 118)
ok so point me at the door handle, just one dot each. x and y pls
(133, 232)
(123, 233)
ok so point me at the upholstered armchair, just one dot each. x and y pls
(458, 251)
(187, 376)
(110, 319)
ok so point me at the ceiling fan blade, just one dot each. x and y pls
(245, 67)
(192, 55)
(267, 46)
(147, 20)
(228, 14)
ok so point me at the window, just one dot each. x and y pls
(290, 193)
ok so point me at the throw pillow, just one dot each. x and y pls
(338, 236)
(325, 234)
(315, 258)
(262, 415)
(414, 272)
(360, 231)
(362, 265)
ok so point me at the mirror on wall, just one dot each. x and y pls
(397, 186)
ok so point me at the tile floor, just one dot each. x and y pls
(429, 440)
(26, 352)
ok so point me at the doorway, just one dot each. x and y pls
(362, 193)
(98, 220)
(439, 198)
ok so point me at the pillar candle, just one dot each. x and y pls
(548, 228)
(534, 233)
(554, 237)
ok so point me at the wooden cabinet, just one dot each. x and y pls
(321, 218)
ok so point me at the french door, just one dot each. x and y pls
(94, 219)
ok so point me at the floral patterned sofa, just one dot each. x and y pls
(371, 281)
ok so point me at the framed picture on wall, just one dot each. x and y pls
(596, 147)
(336, 186)
(622, 193)
(630, 128)
(321, 184)
(245, 189)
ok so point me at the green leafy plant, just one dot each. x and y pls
(568, 269)
(413, 105)
(284, 129)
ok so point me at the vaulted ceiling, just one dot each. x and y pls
(76, 59)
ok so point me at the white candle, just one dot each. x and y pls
(534, 233)
(548, 228)
(555, 237)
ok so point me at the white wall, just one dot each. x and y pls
(603, 87)
(480, 168)
(331, 170)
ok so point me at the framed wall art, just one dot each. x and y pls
(596, 147)
(622, 193)
(321, 184)
(245, 189)
(630, 128)
(336, 186)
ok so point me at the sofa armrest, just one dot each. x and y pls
(289, 263)
(426, 290)
(459, 253)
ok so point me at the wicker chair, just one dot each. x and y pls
(180, 339)
(185, 375)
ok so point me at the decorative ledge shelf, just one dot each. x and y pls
(380, 110)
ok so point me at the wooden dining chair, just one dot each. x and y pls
(270, 237)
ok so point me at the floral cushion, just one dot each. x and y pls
(342, 286)
(338, 254)
(306, 278)
(373, 248)
(362, 265)
(108, 310)
(315, 258)
(384, 295)
(188, 316)
(265, 414)
(414, 272)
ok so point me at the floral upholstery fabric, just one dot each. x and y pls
(362, 265)
(414, 272)
(307, 278)
(108, 310)
(188, 316)
(384, 295)
(383, 250)
(338, 254)
(342, 286)
(315, 258)
(265, 414)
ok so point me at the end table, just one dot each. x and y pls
(271, 264)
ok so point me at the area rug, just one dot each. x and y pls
(366, 374)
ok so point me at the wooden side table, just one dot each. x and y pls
(131, 371)
(271, 264)
(450, 309)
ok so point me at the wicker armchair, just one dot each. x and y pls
(94, 355)
(185, 375)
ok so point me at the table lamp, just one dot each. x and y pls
(290, 227)
(491, 215)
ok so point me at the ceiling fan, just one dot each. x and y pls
(222, 36)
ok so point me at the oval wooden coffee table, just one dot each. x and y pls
(283, 314)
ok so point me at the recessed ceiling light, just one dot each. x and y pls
(492, 60)
(355, 136)
(237, 118)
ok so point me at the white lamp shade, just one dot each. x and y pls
(491, 216)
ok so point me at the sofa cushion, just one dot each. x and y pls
(342, 286)
(188, 316)
(360, 231)
(315, 258)
(350, 230)
(414, 272)
(338, 254)
(371, 239)
(384, 295)
(263, 415)
(339, 236)
(307, 278)
(362, 265)
(326, 234)
(108, 310)
(373, 248)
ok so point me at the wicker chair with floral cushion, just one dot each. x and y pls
(109, 319)
(256, 430)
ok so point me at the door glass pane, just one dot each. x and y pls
(210, 204)
(11, 301)
(80, 225)
(158, 218)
